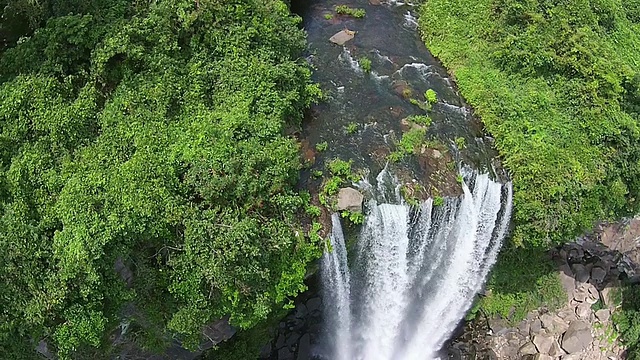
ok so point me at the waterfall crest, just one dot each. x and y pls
(414, 271)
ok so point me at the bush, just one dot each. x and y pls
(365, 64)
(346, 10)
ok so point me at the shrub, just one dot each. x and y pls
(346, 10)
(365, 64)
(320, 147)
(431, 96)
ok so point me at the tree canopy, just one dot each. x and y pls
(150, 135)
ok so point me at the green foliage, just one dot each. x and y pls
(338, 167)
(351, 128)
(313, 211)
(346, 10)
(420, 120)
(332, 186)
(365, 64)
(431, 96)
(320, 147)
(522, 280)
(554, 84)
(438, 201)
(410, 141)
(317, 173)
(328, 16)
(355, 217)
(150, 133)
(461, 143)
(627, 320)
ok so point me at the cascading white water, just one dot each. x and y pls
(414, 271)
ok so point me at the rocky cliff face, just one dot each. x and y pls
(591, 270)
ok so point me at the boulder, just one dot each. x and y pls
(535, 327)
(577, 337)
(598, 274)
(314, 304)
(285, 354)
(567, 280)
(498, 326)
(603, 315)
(581, 273)
(304, 348)
(553, 323)
(342, 37)
(555, 350)
(528, 349)
(542, 357)
(349, 199)
(607, 295)
(543, 343)
(584, 311)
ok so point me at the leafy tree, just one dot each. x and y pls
(149, 135)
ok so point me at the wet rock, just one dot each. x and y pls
(342, 37)
(349, 199)
(314, 304)
(598, 274)
(375, 2)
(292, 338)
(301, 311)
(285, 354)
(304, 348)
(280, 342)
(577, 338)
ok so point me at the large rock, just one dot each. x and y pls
(577, 338)
(553, 323)
(581, 273)
(598, 274)
(603, 315)
(543, 343)
(528, 349)
(304, 348)
(350, 199)
(342, 37)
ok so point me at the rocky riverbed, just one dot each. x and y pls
(590, 270)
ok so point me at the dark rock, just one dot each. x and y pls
(280, 342)
(301, 311)
(314, 304)
(304, 348)
(581, 273)
(292, 339)
(265, 351)
(598, 274)
(285, 354)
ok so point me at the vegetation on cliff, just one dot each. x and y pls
(147, 137)
(557, 83)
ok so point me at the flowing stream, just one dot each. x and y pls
(414, 272)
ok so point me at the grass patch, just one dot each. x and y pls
(365, 64)
(522, 280)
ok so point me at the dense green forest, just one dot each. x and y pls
(557, 83)
(147, 136)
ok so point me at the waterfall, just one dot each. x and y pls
(414, 272)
